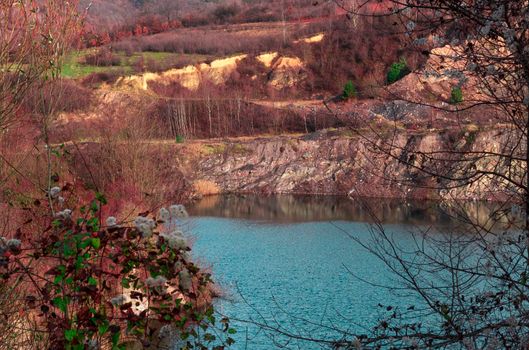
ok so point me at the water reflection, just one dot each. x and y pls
(288, 208)
(282, 256)
(291, 209)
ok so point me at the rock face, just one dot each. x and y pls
(189, 77)
(339, 164)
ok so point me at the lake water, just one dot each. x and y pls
(289, 262)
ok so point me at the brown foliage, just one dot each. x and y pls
(230, 117)
(217, 41)
(363, 58)
(101, 58)
(64, 95)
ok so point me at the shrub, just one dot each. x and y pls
(224, 13)
(349, 91)
(102, 58)
(397, 71)
(456, 96)
(108, 284)
(362, 54)
(97, 78)
(179, 139)
(64, 95)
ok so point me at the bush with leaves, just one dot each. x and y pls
(397, 71)
(94, 283)
(349, 91)
(456, 95)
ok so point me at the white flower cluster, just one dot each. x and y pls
(174, 239)
(12, 245)
(66, 214)
(178, 211)
(54, 192)
(158, 281)
(111, 222)
(184, 280)
(164, 215)
(119, 300)
(145, 226)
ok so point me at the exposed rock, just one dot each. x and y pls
(267, 58)
(341, 165)
(286, 72)
(189, 77)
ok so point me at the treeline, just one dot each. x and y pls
(164, 15)
(231, 117)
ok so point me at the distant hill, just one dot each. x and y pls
(104, 15)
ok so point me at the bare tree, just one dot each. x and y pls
(472, 285)
(170, 9)
(34, 36)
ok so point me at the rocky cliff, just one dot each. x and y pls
(342, 162)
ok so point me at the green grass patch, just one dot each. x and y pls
(73, 68)
(215, 149)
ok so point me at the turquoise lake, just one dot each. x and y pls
(288, 262)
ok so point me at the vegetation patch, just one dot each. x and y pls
(86, 62)
(397, 71)
(214, 149)
(349, 91)
(456, 95)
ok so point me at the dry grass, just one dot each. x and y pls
(206, 188)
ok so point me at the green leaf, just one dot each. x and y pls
(85, 243)
(94, 207)
(67, 250)
(93, 224)
(115, 340)
(96, 243)
(61, 303)
(103, 328)
(232, 331)
(70, 334)
(92, 281)
(101, 198)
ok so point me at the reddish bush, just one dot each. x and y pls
(225, 12)
(101, 58)
(363, 58)
(63, 95)
(96, 79)
(219, 42)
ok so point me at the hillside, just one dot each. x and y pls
(262, 97)
(108, 14)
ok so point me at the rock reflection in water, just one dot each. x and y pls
(292, 208)
(289, 208)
